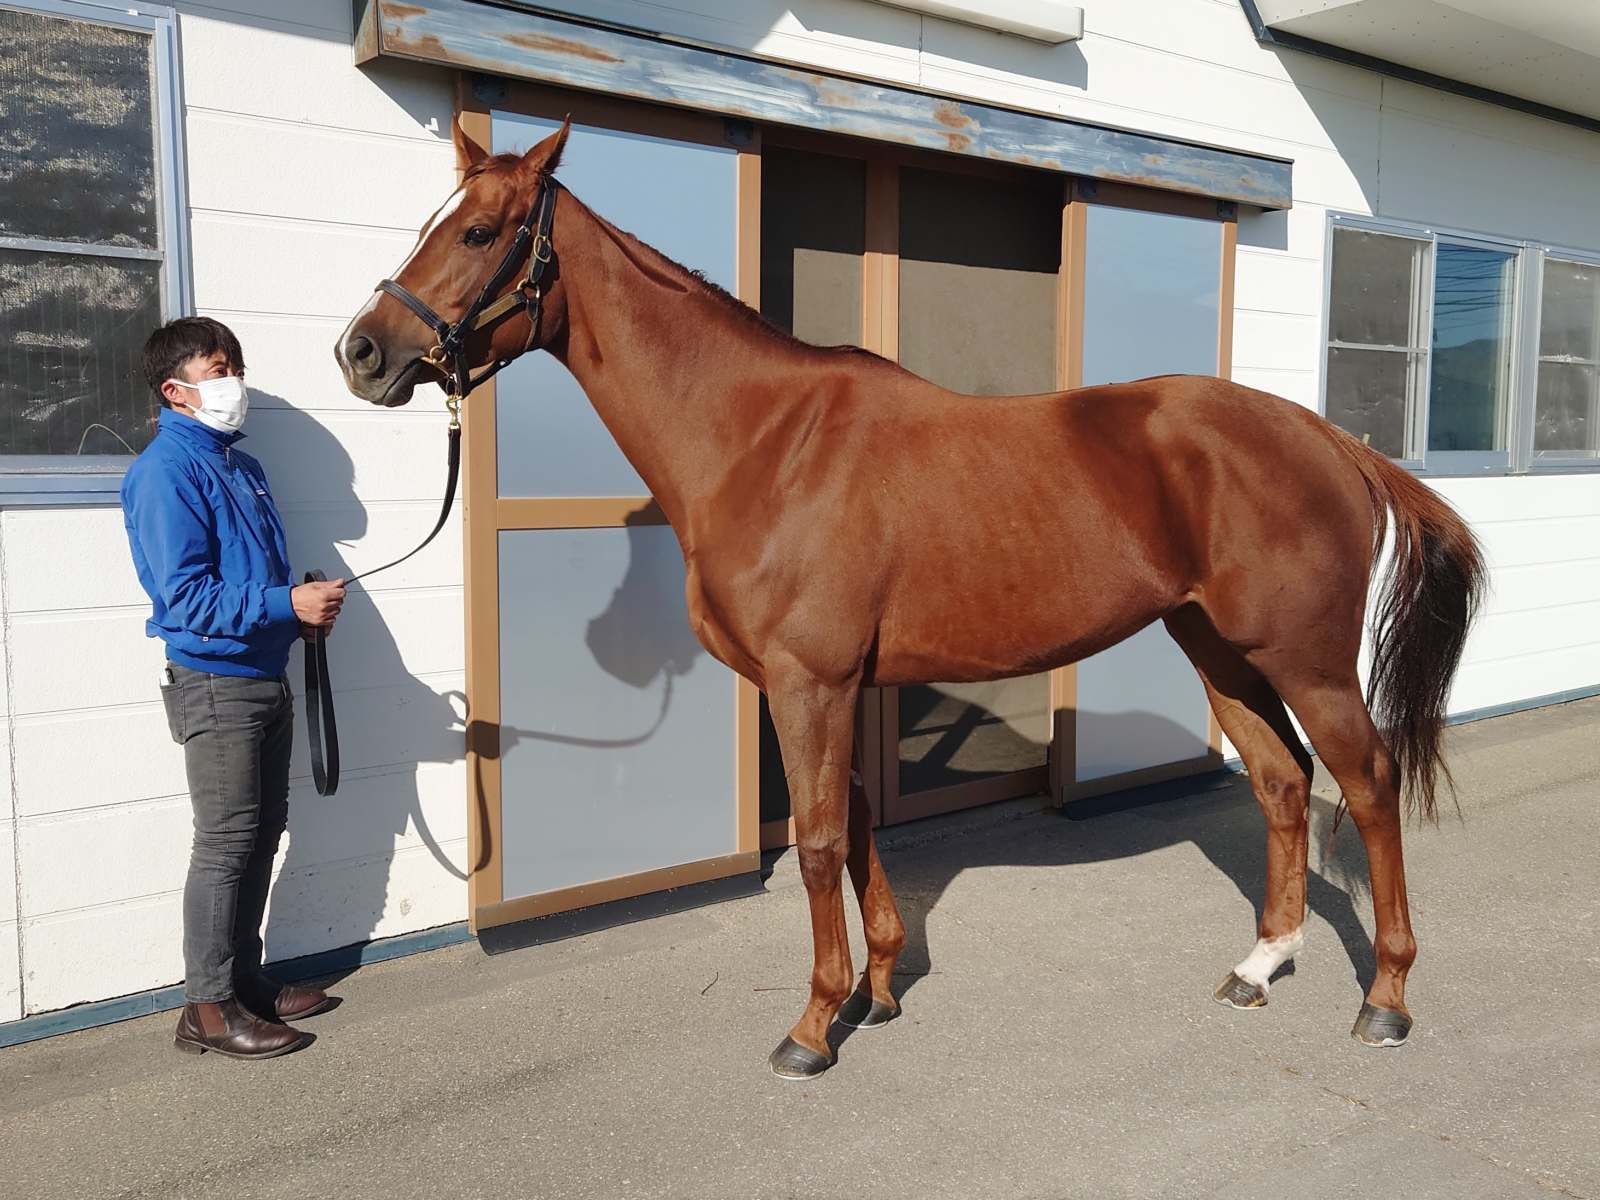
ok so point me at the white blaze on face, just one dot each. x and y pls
(1268, 956)
(434, 222)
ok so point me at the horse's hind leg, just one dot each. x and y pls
(1336, 719)
(1253, 717)
(872, 1003)
(815, 723)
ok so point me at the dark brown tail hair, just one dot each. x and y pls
(1429, 596)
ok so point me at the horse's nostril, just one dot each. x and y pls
(363, 354)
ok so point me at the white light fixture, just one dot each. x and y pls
(1042, 20)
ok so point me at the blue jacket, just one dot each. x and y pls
(209, 549)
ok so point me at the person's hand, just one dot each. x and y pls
(309, 632)
(318, 603)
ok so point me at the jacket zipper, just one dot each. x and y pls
(261, 511)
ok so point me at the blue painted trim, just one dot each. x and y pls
(1516, 706)
(310, 966)
(510, 40)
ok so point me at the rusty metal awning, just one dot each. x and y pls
(521, 44)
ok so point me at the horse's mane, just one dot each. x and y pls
(735, 307)
(743, 312)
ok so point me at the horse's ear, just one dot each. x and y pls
(544, 158)
(468, 152)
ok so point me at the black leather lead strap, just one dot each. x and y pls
(322, 724)
(452, 469)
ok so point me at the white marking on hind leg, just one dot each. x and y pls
(1268, 956)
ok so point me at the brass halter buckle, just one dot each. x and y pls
(436, 357)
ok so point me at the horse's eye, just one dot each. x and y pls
(479, 235)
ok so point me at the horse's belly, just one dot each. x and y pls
(969, 637)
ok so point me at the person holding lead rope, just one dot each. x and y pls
(209, 548)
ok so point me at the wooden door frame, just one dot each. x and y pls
(487, 514)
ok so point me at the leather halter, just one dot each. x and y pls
(449, 349)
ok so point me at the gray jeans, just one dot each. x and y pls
(236, 735)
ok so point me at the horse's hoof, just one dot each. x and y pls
(791, 1060)
(1381, 1026)
(1240, 993)
(861, 1011)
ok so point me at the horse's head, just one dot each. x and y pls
(388, 348)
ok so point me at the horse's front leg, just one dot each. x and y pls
(815, 724)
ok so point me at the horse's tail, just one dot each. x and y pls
(1429, 596)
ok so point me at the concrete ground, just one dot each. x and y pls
(1059, 1038)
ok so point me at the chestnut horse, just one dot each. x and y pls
(846, 524)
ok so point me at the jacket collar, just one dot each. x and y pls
(201, 436)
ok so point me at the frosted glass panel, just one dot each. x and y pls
(1140, 704)
(679, 197)
(617, 751)
(1152, 289)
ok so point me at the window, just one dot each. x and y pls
(1422, 351)
(1566, 420)
(90, 239)
(1377, 343)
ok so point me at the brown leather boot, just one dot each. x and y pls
(274, 1001)
(227, 1029)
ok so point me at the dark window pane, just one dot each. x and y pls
(1471, 347)
(77, 142)
(1367, 392)
(71, 330)
(1568, 317)
(813, 234)
(1374, 280)
(1564, 412)
(978, 266)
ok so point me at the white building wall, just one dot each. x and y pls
(308, 180)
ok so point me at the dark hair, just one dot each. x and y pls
(176, 342)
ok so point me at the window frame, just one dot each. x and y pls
(1420, 334)
(1527, 283)
(1549, 461)
(56, 479)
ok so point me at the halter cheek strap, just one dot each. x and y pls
(448, 353)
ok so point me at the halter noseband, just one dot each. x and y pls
(449, 349)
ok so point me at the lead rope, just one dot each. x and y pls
(322, 725)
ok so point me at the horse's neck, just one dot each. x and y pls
(665, 363)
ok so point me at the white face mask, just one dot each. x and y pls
(223, 402)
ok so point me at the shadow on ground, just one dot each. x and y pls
(1217, 814)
